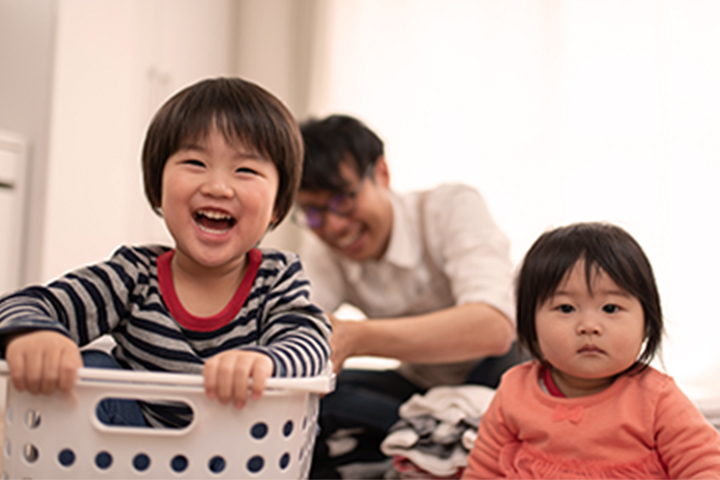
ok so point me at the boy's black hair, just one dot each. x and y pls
(601, 246)
(241, 111)
(329, 143)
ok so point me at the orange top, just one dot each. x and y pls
(642, 426)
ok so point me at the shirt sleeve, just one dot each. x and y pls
(327, 284)
(688, 445)
(493, 435)
(83, 304)
(470, 247)
(295, 333)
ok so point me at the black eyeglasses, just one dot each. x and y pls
(342, 204)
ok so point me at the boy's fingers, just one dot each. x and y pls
(260, 374)
(70, 361)
(241, 386)
(225, 379)
(210, 379)
(50, 372)
(33, 372)
(16, 364)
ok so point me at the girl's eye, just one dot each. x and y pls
(611, 308)
(565, 308)
(246, 170)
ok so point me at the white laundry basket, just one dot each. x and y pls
(60, 436)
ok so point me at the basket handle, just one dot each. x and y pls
(320, 384)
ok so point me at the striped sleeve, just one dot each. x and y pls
(83, 304)
(294, 332)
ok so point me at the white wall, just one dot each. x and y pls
(27, 35)
(557, 111)
(116, 62)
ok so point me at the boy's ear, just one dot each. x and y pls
(381, 173)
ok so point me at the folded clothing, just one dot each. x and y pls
(436, 431)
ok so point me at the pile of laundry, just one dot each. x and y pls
(436, 432)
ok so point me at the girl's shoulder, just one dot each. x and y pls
(651, 379)
(521, 375)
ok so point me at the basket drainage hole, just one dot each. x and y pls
(66, 457)
(32, 419)
(216, 464)
(103, 460)
(259, 430)
(284, 461)
(30, 453)
(179, 463)
(288, 428)
(141, 462)
(255, 464)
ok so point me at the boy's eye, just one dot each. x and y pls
(193, 162)
(246, 170)
(565, 308)
(611, 308)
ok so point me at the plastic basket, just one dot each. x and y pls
(60, 436)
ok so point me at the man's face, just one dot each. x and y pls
(356, 223)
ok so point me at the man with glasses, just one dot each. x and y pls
(431, 271)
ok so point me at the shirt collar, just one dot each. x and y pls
(405, 247)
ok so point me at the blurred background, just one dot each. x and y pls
(558, 111)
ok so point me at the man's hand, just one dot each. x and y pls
(227, 376)
(455, 334)
(341, 341)
(43, 361)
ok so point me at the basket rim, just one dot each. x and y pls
(323, 383)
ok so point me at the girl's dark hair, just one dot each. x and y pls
(329, 143)
(241, 111)
(601, 246)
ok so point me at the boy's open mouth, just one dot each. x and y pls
(213, 221)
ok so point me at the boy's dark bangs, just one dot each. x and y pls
(233, 128)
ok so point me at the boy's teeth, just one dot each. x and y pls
(212, 221)
(214, 215)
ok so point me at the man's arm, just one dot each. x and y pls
(454, 334)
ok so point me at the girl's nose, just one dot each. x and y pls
(588, 326)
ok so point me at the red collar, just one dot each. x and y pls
(550, 384)
(220, 319)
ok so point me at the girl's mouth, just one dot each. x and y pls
(214, 221)
(590, 349)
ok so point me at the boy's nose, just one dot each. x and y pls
(216, 185)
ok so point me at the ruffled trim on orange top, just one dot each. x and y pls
(518, 460)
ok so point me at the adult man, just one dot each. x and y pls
(431, 270)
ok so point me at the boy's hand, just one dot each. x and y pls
(43, 361)
(227, 373)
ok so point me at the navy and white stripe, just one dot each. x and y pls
(121, 297)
